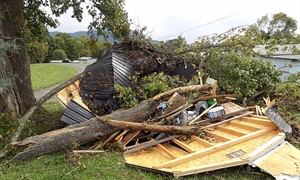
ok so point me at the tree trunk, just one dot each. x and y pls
(16, 94)
(93, 129)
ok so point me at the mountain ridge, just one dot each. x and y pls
(78, 33)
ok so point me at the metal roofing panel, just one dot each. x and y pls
(75, 113)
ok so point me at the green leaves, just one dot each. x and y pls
(144, 88)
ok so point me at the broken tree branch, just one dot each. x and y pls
(203, 88)
(184, 130)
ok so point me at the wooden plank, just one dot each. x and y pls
(165, 150)
(251, 128)
(103, 142)
(181, 110)
(176, 111)
(230, 131)
(201, 141)
(227, 120)
(262, 117)
(135, 148)
(219, 137)
(257, 121)
(182, 145)
(210, 167)
(180, 103)
(214, 148)
(217, 97)
(222, 118)
(121, 135)
(87, 151)
(276, 140)
(129, 137)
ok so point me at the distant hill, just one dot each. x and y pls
(78, 33)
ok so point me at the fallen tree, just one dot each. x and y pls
(29, 113)
(95, 129)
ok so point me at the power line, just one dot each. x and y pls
(199, 26)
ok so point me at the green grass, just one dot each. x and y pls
(106, 165)
(46, 75)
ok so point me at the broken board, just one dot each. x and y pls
(70, 93)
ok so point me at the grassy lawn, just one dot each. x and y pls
(106, 165)
(46, 75)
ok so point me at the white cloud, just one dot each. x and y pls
(168, 17)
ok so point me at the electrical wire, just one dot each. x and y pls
(200, 26)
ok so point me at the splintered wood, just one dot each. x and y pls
(69, 93)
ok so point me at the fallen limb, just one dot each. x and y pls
(23, 120)
(183, 130)
(93, 129)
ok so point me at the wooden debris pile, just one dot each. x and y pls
(188, 136)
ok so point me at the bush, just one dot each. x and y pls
(244, 76)
(59, 54)
(144, 87)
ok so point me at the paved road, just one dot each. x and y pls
(79, 66)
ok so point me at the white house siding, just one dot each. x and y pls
(284, 65)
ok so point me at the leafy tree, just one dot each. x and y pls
(37, 51)
(59, 54)
(59, 43)
(100, 48)
(277, 26)
(50, 42)
(18, 15)
(229, 58)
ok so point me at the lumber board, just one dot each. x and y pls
(87, 151)
(214, 148)
(135, 148)
(105, 141)
(230, 131)
(217, 136)
(217, 97)
(227, 120)
(266, 146)
(181, 102)
(262, 117)
(129, 137)
(164, 149)
(176, 111)
(222, 118)
(121, 134)
(257, 121)
(210, 167)
(251, 128)
(201, 141)
(182, 145)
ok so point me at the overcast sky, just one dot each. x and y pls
(166, 19)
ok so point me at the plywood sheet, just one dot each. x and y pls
(283, 161)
